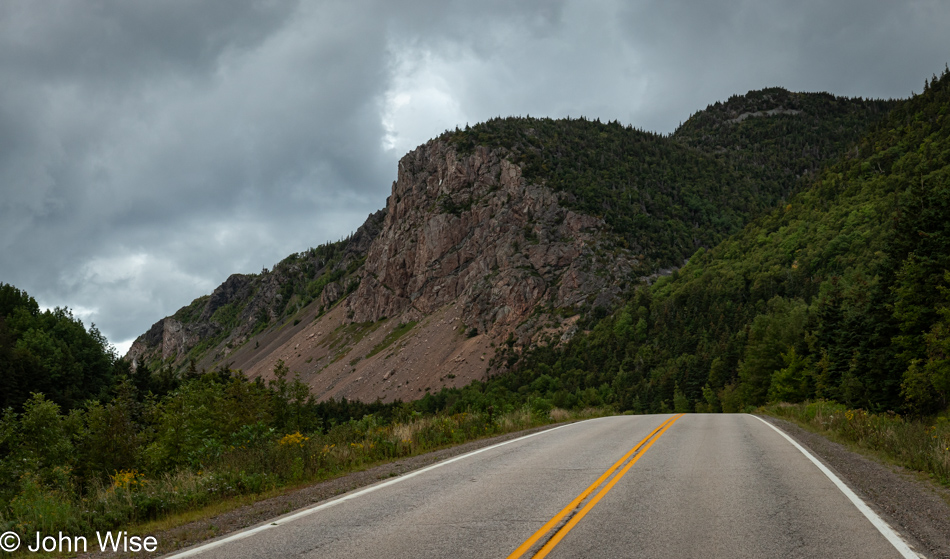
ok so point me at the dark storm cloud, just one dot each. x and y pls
(118, 43)
(148, 150)
(654, 62)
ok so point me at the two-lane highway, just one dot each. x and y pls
(629, 486)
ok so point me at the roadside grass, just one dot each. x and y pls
(209, 511)
(917, 444)
(140, 504)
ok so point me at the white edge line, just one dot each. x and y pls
(327, 504)
(876, 520)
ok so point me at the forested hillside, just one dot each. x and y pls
(664, 196)
(778, 136)
(843, 293)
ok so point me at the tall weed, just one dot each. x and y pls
(918, 444)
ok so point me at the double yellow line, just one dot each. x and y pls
(637, 451)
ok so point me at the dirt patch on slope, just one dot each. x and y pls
(340, 359)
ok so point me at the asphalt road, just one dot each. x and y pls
(702, 486)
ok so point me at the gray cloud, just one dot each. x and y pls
(148, 150)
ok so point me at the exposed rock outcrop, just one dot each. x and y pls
(468, 229)
(166, 339)
(233, 288)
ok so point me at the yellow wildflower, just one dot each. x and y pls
(296, 439)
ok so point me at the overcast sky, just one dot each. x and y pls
(150, 149)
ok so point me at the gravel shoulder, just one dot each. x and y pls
(918, 509)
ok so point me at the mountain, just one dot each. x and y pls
(841, 293)
(514, 233)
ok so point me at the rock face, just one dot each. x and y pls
(468, 229)
(235, 287)
(166, 339)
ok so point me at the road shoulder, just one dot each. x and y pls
(912, 506)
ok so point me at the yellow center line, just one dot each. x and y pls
(577, 517)
(648, 440)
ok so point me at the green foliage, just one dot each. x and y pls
(40, 507)
(771, 337)
(680, 402)
(215, 435)
(49, 352)
(41, 440)
(110, 434)
(779, 148)
(791, 383)
(926, 383)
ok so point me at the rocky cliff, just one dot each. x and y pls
(471, 230)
